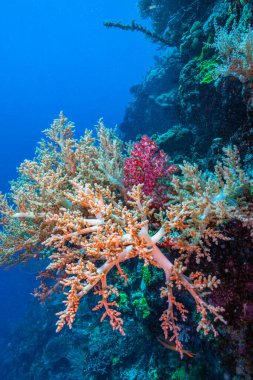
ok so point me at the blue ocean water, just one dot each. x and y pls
(57, 55)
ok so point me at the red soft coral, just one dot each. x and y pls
(149, 166)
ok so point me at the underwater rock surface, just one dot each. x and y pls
(191, 94)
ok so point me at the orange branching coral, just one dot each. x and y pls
(70, 204)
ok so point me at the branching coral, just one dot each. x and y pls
(235, 51)
(70, 204)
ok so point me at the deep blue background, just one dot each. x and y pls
(57, 55)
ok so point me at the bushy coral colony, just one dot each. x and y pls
(150, 167)
(89, 206)
(235, 51)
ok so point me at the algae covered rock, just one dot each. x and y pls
(176, 140)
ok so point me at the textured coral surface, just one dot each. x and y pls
(70, 205)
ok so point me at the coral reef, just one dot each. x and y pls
(92, 350)
(206, 94)
(113, 222)
(235, 52)
(154, 108)
(70, 204)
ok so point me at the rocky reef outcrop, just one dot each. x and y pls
(182, 91)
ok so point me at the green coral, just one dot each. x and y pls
(207, 70)
(141, 304)
(146, 275)
(207, 63)
(123, 300)
(153, 374)
(180, 374)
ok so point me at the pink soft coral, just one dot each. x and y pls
(148, 165)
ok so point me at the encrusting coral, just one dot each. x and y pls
(70, 205)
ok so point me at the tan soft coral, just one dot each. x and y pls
(69, 203)
(235, 51)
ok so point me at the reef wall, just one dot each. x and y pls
(193, 110)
